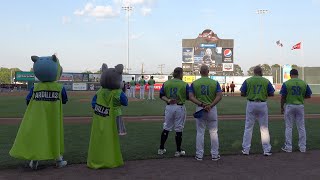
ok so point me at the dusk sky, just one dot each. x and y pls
(86, 34)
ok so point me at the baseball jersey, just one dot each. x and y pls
(132, 83)
(295, 91)
(257, 88)
(205, 89)
(151, 82)
(175, 89)
(142, 82)
(120, 99)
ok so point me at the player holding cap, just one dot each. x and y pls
(174, 92)
(206, 93)
(293, 92)
(257, 89)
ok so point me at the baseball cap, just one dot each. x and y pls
(199, 113)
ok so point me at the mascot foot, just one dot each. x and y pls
(33, 164)
(61, 164)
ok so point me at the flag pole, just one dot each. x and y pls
(302, 60)
(281, 61)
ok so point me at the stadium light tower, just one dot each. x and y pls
(261, 13)
(128, 9)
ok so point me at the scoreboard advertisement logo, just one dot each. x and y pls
(227, 66)
(227, 55)
(187, 55)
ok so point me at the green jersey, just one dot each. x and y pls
(205, 89)
(295, 91)
(40, 135)
(132, 83)
(151, 82)
(175, 89)
(142, 82)
(104, 147)
(257, 88)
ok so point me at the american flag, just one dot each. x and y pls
(279, 43)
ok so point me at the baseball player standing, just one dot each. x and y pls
(151, 83)
(133, 87)
(257, 89)
(142, 83)
(293, 92)
(174, 92)
(206, 93)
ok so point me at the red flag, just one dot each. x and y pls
(297, 46)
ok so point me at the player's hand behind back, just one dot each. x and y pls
(172, 101)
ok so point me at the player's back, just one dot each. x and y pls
(176, 89)
(296, 91)
(257, 88)
(205, 89)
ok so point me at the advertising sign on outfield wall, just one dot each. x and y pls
(79, 86)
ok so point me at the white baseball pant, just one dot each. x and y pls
(175, 117)
(128, 92)
(142, 92)
(133, 91)
(151, 92)
(256, 110)
(209, 119)
(295, 113)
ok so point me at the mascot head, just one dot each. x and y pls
(111, 78)
(47, 69)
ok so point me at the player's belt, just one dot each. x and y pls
(251, 100)
(180, 104)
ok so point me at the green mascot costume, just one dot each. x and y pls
(40, 135)
(104, 148)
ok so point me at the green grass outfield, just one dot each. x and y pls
(14, 106)
(143, 139)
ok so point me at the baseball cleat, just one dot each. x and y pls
(198, 158)
(216, 158)
(161, 151)
(33, 164)
(245, 152)
(179, 153)
(267, 153)
(286, 149)
(303, 150)
(61, 164)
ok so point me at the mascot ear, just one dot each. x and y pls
(119, 68)
(54, 58)
(34, 58)
(104, 67)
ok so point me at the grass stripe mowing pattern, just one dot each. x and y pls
(142, 141)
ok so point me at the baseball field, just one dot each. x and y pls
(144, 120)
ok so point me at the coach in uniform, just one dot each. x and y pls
(257, 89)
(293, 92)
(174, 92)
(206, 93)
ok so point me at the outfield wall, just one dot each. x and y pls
(90, 82)
(93, 86)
